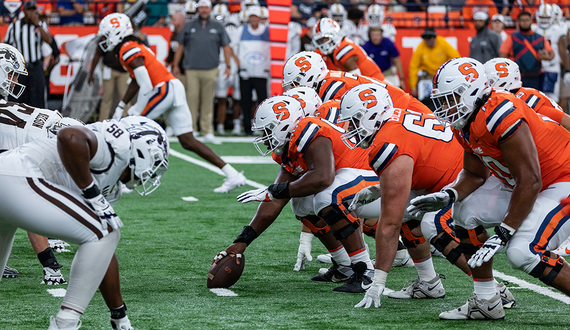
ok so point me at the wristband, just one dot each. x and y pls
(246, 236)
(121, 104)
(279, 190)
(453, 195)
(505, 232)
(91, 191)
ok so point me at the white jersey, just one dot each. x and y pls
(21, 123)
(350, 30)
(553, 35)
(389, 31)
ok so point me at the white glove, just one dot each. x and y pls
(256, 195)
(304, 251)
(491, 247)
(119, 111)
(365, 196)
(374, 293)
(431, 202)
(567, 79)
(105, 211)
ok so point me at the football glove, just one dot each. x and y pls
(105, 211)
(365, 196)
(118, 114)
(374, 293)
(492, 246)
(256, 195)
(304, 251)
(431, 202)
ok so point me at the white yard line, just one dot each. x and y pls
(57, 292)
(229, 139)
(533, 287)
(224, 292)
(210, 167)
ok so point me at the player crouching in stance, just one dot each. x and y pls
(72, 182)
(528, 155)
(318, 174)
(413, 154)
(159, 92)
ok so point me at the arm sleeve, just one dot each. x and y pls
(145, 87)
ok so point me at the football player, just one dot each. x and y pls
(528, 155)
(342, 53)
(318, 174)
(159, 92)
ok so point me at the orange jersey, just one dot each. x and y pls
(540, 103)
(157, 71)
(498, 120)
(306, 131)
(345, 50)
(438, 157)
(330, 110)
(337, 83)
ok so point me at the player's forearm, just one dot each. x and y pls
(522, 201)
(131, 91)
(178, 55)
(95, 61)
(266, 214)
(312, 182)
(387, 234)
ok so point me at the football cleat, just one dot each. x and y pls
(53, 325)
(564, 248)
(52, 277)
(506, 296)
(10, 272)
(121, 324)
(325, 258)
(416, 289)
(337, 273)
(231, 183)
(220, 129)
(477, 309)
(359, 282)
(58, 245)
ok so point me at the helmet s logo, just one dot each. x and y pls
(502, 70)
(115, 22)
(303, 63)
(281, 110)
(469, 71)
(298, 98)
(367, 97)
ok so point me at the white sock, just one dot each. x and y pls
(67, 318)
(401, 254)
(340, 256)
(485, 288)
(425, 269)
(361, 255)
(237, 123)
(229, 171)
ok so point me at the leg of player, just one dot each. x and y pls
(561, 281)
(222, 109)
(402, 256)
(235, 117)
(52, 272)
(6, 240)
(111, 291)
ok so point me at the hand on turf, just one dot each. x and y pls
(304, 251)
(429, 203)
(491, 247)
(373, 294)
(365, 196)
(105, 211)
(256, 195)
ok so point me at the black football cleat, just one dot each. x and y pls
(335, 274)
(359, 282)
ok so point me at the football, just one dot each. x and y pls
(225, 272)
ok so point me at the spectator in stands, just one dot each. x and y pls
(384, 52)
(102, 8)
(71, 12)
(472, 6)
(202, 38)
(486, 43)
(414, 5)
(528, 49)
(430, 54)
(302, 10)
(178, 20)
(498, 25)
(307, 38)
(158, 12)
(519, 6)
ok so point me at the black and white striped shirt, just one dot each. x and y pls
(26, 38)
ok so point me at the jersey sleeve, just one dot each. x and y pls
(331, 90)
(307, 134)
(113, 141)
(330, 111)
(345, 51)
(503, 120)
(129, 51)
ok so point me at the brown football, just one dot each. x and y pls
(226, 272)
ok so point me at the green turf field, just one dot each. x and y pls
(167, 246)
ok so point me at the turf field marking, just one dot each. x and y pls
(248, 160)
(57, 292)
(209, 166)
(230, 139)
(190, 199)
(224, 292)
(533, 287)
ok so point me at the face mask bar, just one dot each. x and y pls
(150, 178)
(449, 109)
(10, 85)
(358, 134)
(105, 44)
(272, 144)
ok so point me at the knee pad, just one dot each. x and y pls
(369, 230)
(337, 213)
(346, 231)
(471, 234)
(410, 240)
(311, 222)
(441, 243)
(556, 264)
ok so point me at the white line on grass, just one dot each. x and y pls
(248, 160)
(230, 139)
(533, 287)
(224, 292)
(209, 166)
(57, 292)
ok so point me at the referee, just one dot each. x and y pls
(27, 35)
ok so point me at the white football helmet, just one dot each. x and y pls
(264, 13)
(375, 15)
(149, 153)
(247, 3)
(220, 12)
(191, 9)
(276, 118)
(113, 29)
(13, 65)
(337, 12)
(365, 107)
(243, 18)
(304, 69)
(457, 85)
(503, 73)
(310, 100)
(326, 35)
(545, 16)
